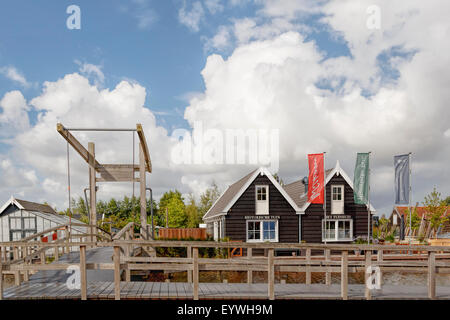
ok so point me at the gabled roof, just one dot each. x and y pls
(235, 191)
(421, 211)
(329, 175)
(28, 205)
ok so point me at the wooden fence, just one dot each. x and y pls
(326, 259)
(183, 233)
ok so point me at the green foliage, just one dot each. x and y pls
(415, 219)
(436, 208)
(390, 238)
(447, 201)
(193, 213)
(208, 198)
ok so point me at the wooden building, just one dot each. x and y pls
(20, 219)
(258, 209)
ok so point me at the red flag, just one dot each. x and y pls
(315, 178)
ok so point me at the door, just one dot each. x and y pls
(262, 199)
(337, 199)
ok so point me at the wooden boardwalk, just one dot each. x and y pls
(212, 291)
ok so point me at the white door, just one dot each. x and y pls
(337, 199)
(262, 200)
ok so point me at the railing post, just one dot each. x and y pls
(271, 275)
(249, 272)
(16, 273)
(380, 260)
(195, 273)
(83, 275)
(189, 256)
(308, 262)
(1, 279)
(26, 272)
(56, 253)
(344, 275)
(368, 294)
(117, 272)
(67, 238)
(328, 273)
(432, 275)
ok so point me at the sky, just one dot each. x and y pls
(304, 76)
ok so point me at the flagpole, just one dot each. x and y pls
(325, 197)
(368, 203)
(409, 200)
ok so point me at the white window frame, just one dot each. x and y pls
(266, 212)
(336, 230)
(342, 187)
(261, 230)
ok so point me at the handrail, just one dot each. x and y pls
(124, 230)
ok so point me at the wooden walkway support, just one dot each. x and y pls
(334, 258)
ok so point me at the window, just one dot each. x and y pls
(259, 231)
(337, 230)
(262, 200)
(337, 199)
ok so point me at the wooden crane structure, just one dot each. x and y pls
(113, 172)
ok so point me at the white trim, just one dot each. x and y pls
(339, 171)
(215, 202)
(336, 227)
(11, 201)
(263, 171)
(261, 230)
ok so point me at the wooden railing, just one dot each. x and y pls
(321, 258)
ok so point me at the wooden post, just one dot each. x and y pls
(56, 253)
(271, 275)
(328, 273)
(83, 275)
(368, 294)
(92, 192)
(26, 273)
(189, 272)
(67, 238)
(117, 272)
(167, 217)
(16, 273)
(380, 260)
(142, 184)
(195, 273)
(1, 279)
(308, 261)
(344, 275)
(432, 275)
(249, 272)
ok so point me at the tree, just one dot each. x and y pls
(208, 198)
(447, 201)
(415, 219)
(193, 214)
(436, 208)
(174, 202)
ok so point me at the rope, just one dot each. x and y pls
(68, 186)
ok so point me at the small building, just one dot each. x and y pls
(20, 219)
(258, 209)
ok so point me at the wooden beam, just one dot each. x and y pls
(249, 272)
(271, 275)
(344, 275)
(431, 275)
(83, 275)
(195, 273)
(117, 272)
(143, 142)
(327, 274)
(368, 294)
(142, 192)
(73, 142)
(189, 256)
(92, 191)
(308, 260)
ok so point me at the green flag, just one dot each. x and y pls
(361, 179)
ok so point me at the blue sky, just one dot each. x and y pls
(322, 67)
(163, 55)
